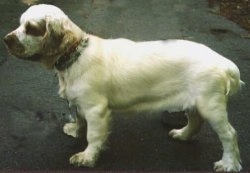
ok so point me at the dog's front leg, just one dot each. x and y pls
(97, 118)
(75, 129)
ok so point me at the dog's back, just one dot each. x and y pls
(169, 74)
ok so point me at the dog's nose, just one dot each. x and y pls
(10, 39)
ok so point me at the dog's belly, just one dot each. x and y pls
(172, 103)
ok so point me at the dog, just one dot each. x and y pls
(103, 75)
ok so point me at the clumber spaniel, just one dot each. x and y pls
(103, 75)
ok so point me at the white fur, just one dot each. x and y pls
(173, 75)
(123, 75)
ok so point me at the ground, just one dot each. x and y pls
(237, 11)
(32, 115)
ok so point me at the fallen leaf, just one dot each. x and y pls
(30, 2)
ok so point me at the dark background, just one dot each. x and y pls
(32, 115)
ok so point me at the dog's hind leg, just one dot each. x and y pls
(213, 109)
(194, 124)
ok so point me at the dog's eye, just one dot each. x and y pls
(34, 30)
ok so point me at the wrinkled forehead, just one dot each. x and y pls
(40, 12)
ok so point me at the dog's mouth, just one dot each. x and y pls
(13, 45)
(35, 57)
(19, 53)
(17, 49)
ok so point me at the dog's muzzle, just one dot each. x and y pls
(13, 44)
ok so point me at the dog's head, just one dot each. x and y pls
(43, 35)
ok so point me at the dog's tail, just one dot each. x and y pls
(234, 83)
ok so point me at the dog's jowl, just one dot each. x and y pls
(99, 76)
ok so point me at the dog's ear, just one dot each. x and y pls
(58, 38)
(51, 41)
(59, 34)
(53, 36)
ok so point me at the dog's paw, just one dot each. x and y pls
(223, 166)
(178, 134)
(82, 159)
(70, 129)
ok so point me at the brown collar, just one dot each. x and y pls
(68, 58)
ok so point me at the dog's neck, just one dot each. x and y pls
(71, 55)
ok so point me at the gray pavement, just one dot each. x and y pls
(32, 114)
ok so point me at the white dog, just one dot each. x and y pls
(103, 75)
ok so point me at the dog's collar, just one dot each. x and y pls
(68, 58)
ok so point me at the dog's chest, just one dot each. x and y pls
(69, 89)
